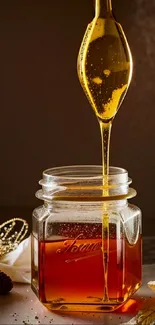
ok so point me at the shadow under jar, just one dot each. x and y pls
(68, 270)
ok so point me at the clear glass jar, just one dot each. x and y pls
(76, 265)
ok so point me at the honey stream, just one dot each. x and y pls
(105, 71)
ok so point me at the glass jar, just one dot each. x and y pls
(76, 264)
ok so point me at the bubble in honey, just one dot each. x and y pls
(107, 72)
(97, 80)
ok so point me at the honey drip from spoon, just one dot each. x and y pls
(105, 70)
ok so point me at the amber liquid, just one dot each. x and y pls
(105, 66)
(105, 69)
(72, 270)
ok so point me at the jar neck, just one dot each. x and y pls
(108, 205)
(103, 8)
(83, 185)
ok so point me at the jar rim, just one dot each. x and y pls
(82, 172)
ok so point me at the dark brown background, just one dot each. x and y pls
(45, 118)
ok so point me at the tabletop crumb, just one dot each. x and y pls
(36, 317)
(151, 285)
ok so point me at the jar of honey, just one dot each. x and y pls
(69, 245)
